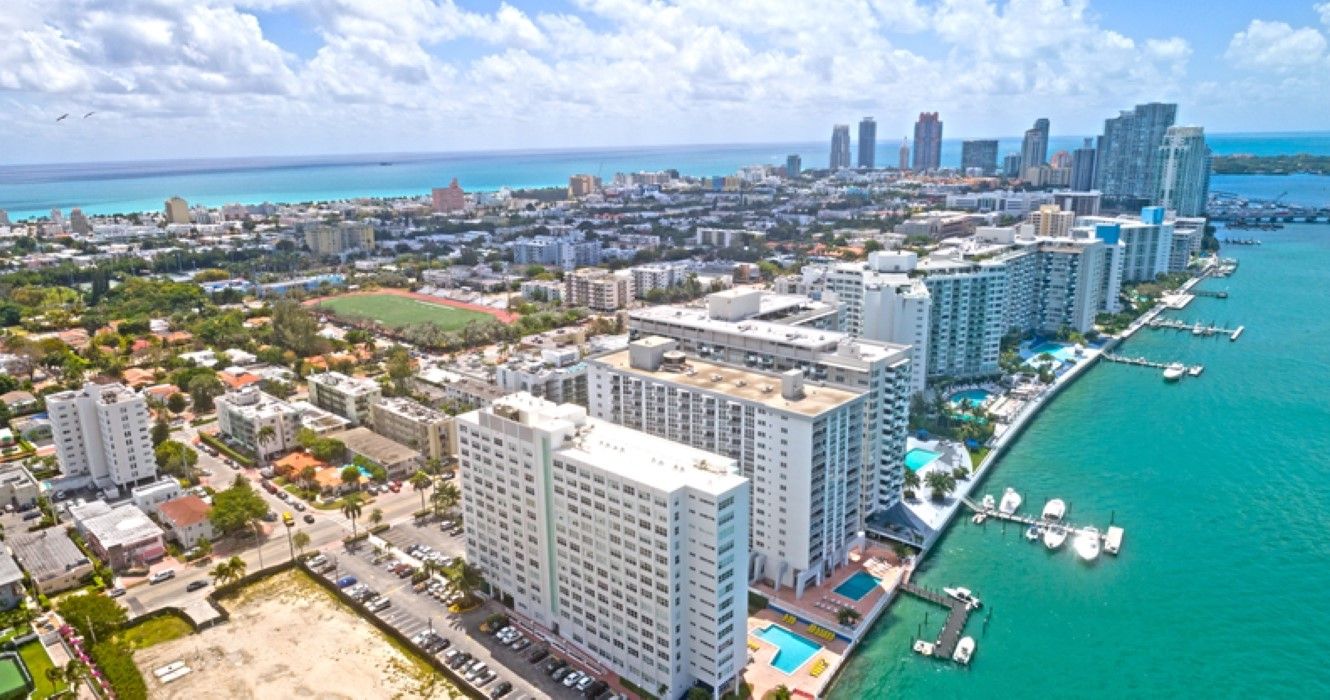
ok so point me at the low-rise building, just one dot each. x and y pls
(415, 425)
(185, 520)
(53, 561)
(243, 414)
(149, 496)
(11, 582)
(599, 289)
(397, 459)
(124, 537)
(17, 487)
(558, 375)
(348, 397)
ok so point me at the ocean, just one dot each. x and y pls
(107, 188)
(1220, 482)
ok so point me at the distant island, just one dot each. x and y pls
(1271, 165)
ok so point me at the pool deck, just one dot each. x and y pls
(818, 607)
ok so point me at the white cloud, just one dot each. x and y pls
(1323, 9)
(1276, 46)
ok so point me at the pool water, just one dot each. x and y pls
(918, 458)
(1060, 352)
(974, 396)
(857, 586)
(794, 650)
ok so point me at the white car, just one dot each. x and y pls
(160, 576)
(571, 679)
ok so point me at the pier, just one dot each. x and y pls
(958, 614)
(1221, 294)
(1194, 370)
(1196, 328)
(1112, 535)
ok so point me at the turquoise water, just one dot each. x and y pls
(108, 188)
(918, 458)
(1060, 352)
(974, 396)
(794, 650)
(858, 585)
(1221, 484)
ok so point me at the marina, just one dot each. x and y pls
(1172, 370)
(959, 602)
(1054, 531)
(1197, 329)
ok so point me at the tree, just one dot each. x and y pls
(941, 483)
(301, 540)
(203, 389)
(446, 495)
(351, 509)
(161, 431)
(176, 458)
(94, 615)
(465, 577)
(911, 479)
(265, 435)
(375, 517)
(307, 475)
(847, 616)
(236, 507)
(350, 475)
(781, 692)
(420, 481)
(205, 547)
(295, 328)
(228, 571)
(176, 403)
(696, 693)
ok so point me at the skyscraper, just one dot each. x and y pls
(101, 431)
(840, 147)
(793, 165)
(1127, 167)
(1082, 167)
(1034, 149)
(177, 211)
(980, 154)
(928, 142)
(1011, 165)
(448, 199)
(867, 143)
(905, 155)
(1184, 171)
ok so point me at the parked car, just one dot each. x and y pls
(164, 575)
(298, 505)
(520, 644)
(195, 585)
(345, 581)
(571, 679)
(538, 655)
(116, 592)
(553, 664)
(562, 672)
(584, 682)
(501, 690)
(309, 518)
(595, 689)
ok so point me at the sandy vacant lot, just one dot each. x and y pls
(288, 638)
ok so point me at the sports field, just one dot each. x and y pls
(397, 311)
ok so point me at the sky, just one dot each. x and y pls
(166, 79)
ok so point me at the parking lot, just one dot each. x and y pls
(460, 642)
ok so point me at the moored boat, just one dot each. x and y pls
(1011, 500)
(1032, 533)
(1055, 509)
(1055, 536)
(1087, 544)
(964, 650)
(989, 502)
(964, 595)
(1174, 372)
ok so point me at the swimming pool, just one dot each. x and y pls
(857, 586)
(793, 650)
(974, 396)
(1060, 352)
(918, 458)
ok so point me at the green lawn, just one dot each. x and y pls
(35, 658)
(155, 631)
(398, 311)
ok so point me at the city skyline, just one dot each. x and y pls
(312, 76)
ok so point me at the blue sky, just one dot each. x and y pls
(182, 78)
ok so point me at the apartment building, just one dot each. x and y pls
(102, 432)
(880, 301)
(599, 289)
(798, 443)
(630, 547)
(658, 276)
(1146, 241)
(415, 425)
(243, 414)
(345, 237)
(730, 335)
(725, 237)
(556, 374)
(967, 318)
(348, 397)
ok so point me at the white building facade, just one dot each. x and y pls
(102, 431)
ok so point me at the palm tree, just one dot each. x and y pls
(375, 517)
(232, 569)
(466, 577)
(265, 435)
(941, 483)
(420, 481)
(301, 540)
(781, 692)
(307, 475)
(351, 509)
(446, 495)
(911, 479)
(847, 616)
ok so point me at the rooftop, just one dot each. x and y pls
(413, 410)
(185, 511)
(46, 553)
(744, 384)
(9, 571)
(809, 339)
(352, 385)
(121, 526)
(375, 447)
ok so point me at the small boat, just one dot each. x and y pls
(1010, 501)
(964, 650)
(1055, 509)
(1032, 533)
(1055, 537)
(1087, 544)
(1174, 372)
(964, 595)
(978, 518)
(922, 647)
(1196, 371)
(1197, 330)
(989, 502)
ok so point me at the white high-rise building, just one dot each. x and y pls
(795, 441)
(1146, 241)
(882, 302)
(629, 546)
(1184, 171)
(102, 431)
(729, 333)
(968, 315)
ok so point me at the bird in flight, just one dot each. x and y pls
(62, 118)
(89, 114)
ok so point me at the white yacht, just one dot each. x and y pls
(1054, 536)
(1174, 372)
(989, 503)
(1033, 533)
(964, 595)
(1087, 544)
(1196, 371)
(964, 650)
(1010, 501)
(1055, 509)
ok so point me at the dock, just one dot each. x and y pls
(1112, 537)
(1194, 370)
(1221, 294)
(958, 614)
(1196, 329)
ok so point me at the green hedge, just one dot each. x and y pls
(225, 449)
(117, 664)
